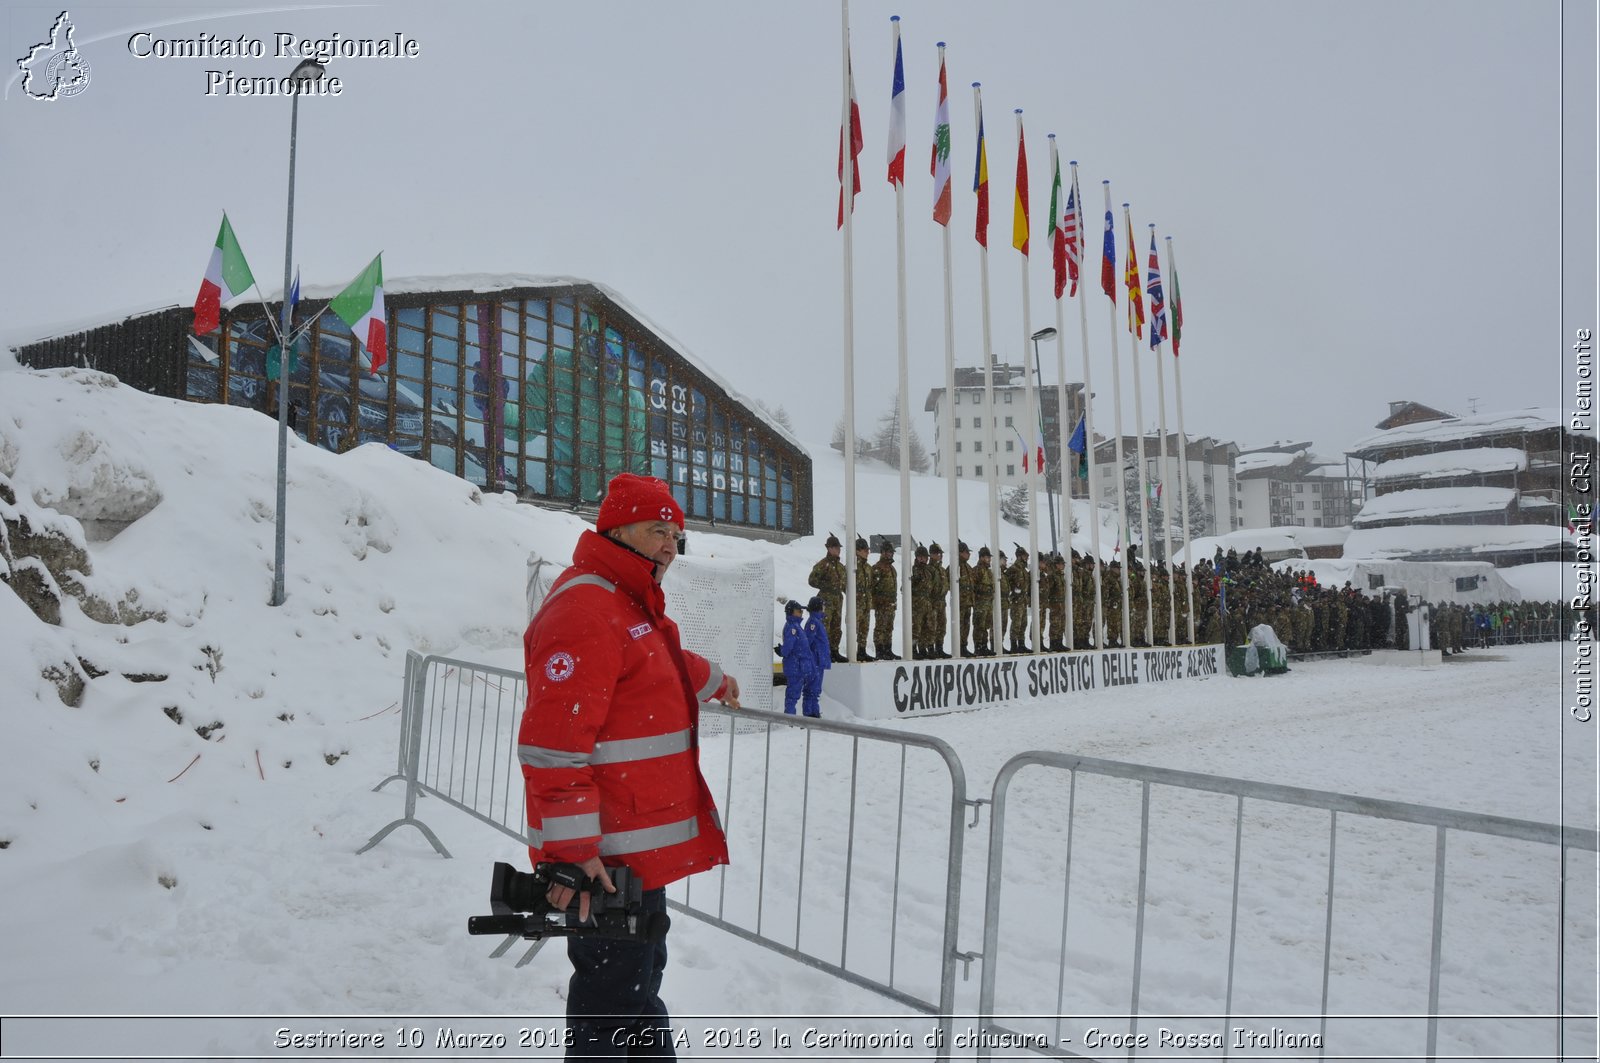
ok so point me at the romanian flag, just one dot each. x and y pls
(1158, 303)
(897, 115)
(980, 185)
(1019, 204)
(855, 149)
(1131, 278)
(939, 166)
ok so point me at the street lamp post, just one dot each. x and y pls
(1046, 333)
(307, 72)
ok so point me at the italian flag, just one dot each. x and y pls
(227, 275)
(361, 307)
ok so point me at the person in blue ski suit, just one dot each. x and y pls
(799, 663)
(821, 652)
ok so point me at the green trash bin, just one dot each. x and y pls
(1236, 657)
(1273, 662)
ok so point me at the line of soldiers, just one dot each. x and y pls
(1232, 594)
(878, 601)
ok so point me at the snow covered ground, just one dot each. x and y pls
(182, 841)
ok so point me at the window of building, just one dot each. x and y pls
(977, 422)
(1299, 505)
(1009, 397)
(1315, 504)
(958, 446)
(958, 422)
(1467, 583)
(1011, 444)
(1299, 488)
(977, 470)
(959, 470)
(1008, 422)
(1011, 470)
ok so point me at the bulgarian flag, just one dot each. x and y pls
(227, 275)
(361, 307)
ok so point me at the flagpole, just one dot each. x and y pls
(847, 209)
(1063, 414)
(1183, 440)
(1138, 420)
(1116, 398)
(1030, 469)
(1166, 472)
(988, 397)
(907, 645)
(1099, 640)
(948, 430)
(280, 530)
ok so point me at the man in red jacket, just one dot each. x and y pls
(609, 747)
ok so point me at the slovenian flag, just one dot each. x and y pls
(227, 275)
(361, 307)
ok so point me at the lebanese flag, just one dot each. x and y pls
(227, 275)
(361, 307)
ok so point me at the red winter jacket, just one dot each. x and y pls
(609, 742)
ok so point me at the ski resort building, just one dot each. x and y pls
(544, 387)
(1012, 438)
(1485, 487)
(1285, 485)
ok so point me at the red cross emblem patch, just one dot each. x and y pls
(560, 666)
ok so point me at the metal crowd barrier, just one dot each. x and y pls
(1444, 822)
(458, 730)
(458, 744)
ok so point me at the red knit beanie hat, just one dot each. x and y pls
(630, 499)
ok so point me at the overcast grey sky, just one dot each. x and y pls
(1363, 196)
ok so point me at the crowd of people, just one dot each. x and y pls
(1232, 594)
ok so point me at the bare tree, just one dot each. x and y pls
(885, 445)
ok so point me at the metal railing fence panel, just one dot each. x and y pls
(1221, 904)
(824, 819)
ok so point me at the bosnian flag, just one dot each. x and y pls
(361, 307)
(897, 115)
(227, 275)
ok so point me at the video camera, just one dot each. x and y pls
(518, 902)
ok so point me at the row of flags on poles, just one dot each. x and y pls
(359, 305)
(1066, 215)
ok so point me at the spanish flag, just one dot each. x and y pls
(1019, 205)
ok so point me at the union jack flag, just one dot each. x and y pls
(1158, 302)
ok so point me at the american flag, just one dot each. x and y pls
(1071, 224)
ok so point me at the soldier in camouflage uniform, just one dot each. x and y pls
(885, 603)
(983, 605)
(939, 591)
(921, 604)
(1054, 602)
(1137, 606)
(1019, 591)
(1083, 602)
(863, 600)
(967, 575)
(828, 577)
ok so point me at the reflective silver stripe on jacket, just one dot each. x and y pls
(565, 828)
(623, 750)
(624, 842)
(540, 757)
(578, 581)
(705, 692)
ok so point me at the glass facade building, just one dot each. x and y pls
(543, 390)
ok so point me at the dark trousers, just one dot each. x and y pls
(614, 1009)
